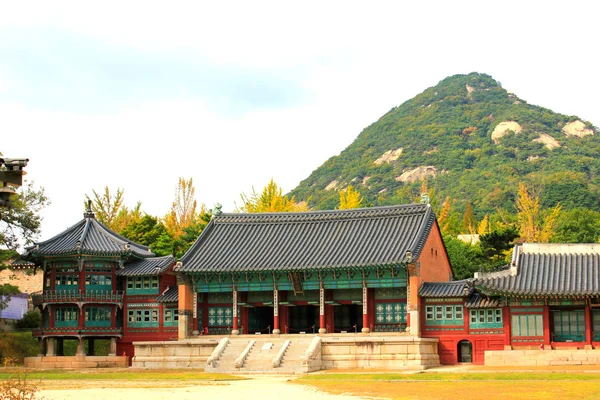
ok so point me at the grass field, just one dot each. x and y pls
(542, 385)
(118, 376)
(477, 383)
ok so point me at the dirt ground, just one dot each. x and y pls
(262, 386)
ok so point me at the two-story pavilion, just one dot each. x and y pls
(322, 271)
(90, 272)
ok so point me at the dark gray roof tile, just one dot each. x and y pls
(476, 300)
(171, 295)
(148, 266)
(88, 236)
(445, 289)
(540, 274)
(318, 239)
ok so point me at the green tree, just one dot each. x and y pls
(146, 230)
(271, 199)
(496, 246)
(31, 320)
(20, 224)
(190, 234)
(466, 259)
(579, 225)
(6, 291)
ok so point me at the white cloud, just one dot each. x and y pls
(351, 64)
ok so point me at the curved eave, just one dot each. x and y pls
(553, 295)
(295, 269)
(86, 253)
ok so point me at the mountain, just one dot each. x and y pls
(471, 140)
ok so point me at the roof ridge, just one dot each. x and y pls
(321, 215)
(86, 229)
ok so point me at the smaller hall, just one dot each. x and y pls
(542, 309)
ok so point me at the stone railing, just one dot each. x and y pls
(312, 353)
(277, 359)
(216, 354)
(239, 362)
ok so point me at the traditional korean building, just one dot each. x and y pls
(547, 299)
(99, 285)
(323, 272)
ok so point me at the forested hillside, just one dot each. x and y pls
(473, 141)
(491, 164)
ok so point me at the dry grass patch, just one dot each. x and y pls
(450, 386)
(119, 378)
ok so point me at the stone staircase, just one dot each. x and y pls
(259, 359)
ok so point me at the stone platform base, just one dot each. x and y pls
(524, 358)
(76, 362)
(389, 352)
(374, 350)
(191, 353)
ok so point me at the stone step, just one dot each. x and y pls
(260, 359)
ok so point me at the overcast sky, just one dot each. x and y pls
(134, 95)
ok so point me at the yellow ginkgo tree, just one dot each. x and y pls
(534, 225)
(350, 198)
(271, 199)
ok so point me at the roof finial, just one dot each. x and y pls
(89, 213)
(216, 211)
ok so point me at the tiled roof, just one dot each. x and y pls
(88, 236)
(171, 295)
(445, 289)
(542, 275)
(148, 266)
(476, 300)
(320, 239)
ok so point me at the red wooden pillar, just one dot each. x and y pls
(588, 325)
(195, 312)
(161, 317)
(52, 277)
(113, 317)
(113, 278)
(81, 320)
(276, 330)
(205, 313)
(547, 337)
(235, 330)
(51, 312)
(371, 295)
(244, 313)
(365, 308)
(506, 318)
(283, 313)
(322, 324)
(81, 283)
(329, 313)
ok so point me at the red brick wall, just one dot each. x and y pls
(435, 265)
